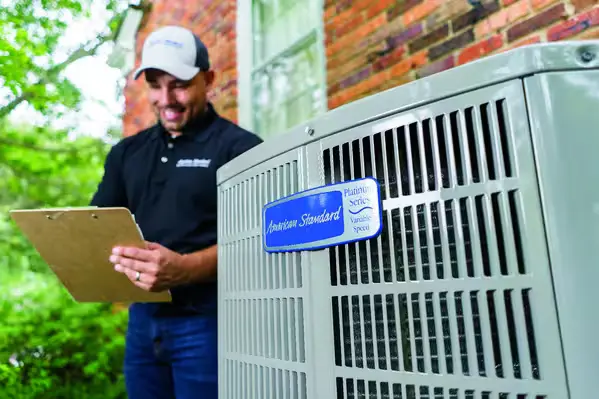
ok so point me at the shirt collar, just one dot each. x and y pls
(198, 129)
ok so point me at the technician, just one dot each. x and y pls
(166, 176)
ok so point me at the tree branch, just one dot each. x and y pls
(83, 51)
(8, 108)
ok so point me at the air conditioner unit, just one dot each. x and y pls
(436, 240)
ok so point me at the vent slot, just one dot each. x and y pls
(253, 269)
(459, 148)
(263, 307)
(271, 328)
(467, 237)
(348, 388)
(474, 333)
(251, 380)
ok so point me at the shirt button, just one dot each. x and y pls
(164, 159)
(170, 145)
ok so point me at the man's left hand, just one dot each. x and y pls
(153, 269)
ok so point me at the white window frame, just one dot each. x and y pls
(245, 60)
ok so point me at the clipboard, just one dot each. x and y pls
(76, 243)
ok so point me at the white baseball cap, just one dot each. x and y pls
(176, 51)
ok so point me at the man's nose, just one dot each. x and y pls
(166, 96)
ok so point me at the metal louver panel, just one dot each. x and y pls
(261, 295)
(487, 240)
(452, 300)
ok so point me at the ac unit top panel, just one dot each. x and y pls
(513, 64)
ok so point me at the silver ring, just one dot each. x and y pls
(137, 276)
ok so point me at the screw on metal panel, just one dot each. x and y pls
(587, 56)
(309, 131)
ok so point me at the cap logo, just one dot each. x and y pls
(166, 42)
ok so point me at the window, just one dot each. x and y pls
(286, 76)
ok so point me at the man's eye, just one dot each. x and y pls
(181, 85)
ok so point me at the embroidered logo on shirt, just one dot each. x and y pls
(193, 163)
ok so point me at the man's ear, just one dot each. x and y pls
(209, 77)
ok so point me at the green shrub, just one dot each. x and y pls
(52, 347)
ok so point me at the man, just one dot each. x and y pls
(166, 176)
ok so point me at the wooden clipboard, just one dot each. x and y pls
(76, 243)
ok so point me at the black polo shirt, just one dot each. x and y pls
(169, 185)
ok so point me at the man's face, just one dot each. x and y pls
(176, 102)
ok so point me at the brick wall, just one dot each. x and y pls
(214, 22)
(375, 45)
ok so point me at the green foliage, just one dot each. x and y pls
(52, 347)
(42, 168)
(30, 37)
(29, 32)
(45, 167)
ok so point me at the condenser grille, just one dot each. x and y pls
(248, 380)
(454, 149)
(363, 389)
(447, 289)
(262, 295)
(441, 239)
(246, 198)
(252, 268)
(271, 328)
(472, 333)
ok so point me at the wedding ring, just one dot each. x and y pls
(137, 276)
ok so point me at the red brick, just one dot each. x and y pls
(522, 43)
(369, 84)
(343, 5)
(360, 5)
(354, 36)
(437, 67)
(341, 66)
(387, 29)
(401, 8)
(352, 23)
(475, 14)
(574, 26)
(352, 93)
(420, 11)
(356, 78)
(540, 4)
(481, 49)
(330, 12)
(537, 22)
(405, 66)
(339, 20)
(430, 38)
(378, 7)
(446, 11)
(503, 18)
(580, 5)
(450, 45)
(387, 60)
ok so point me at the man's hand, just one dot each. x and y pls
(153, 269)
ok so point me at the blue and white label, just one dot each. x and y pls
(323, 217)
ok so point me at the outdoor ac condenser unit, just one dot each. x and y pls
(436, 240)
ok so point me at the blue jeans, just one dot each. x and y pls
(170, 357)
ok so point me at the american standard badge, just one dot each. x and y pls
(323, 217)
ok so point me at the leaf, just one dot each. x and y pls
(31, 31)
